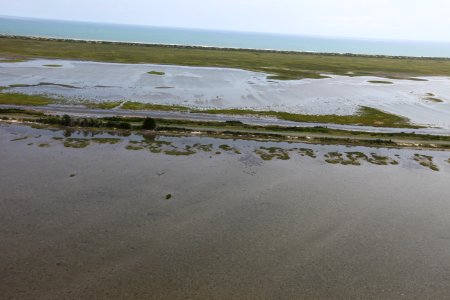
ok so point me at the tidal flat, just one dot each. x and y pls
(103, 221)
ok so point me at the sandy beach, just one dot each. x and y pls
(94, 222)
(201, 87)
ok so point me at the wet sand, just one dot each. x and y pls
(95, 223)
(202, 87)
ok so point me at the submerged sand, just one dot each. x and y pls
(231, 88)
(95, 223)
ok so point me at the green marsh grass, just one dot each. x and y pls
(282, 65)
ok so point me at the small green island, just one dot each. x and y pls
(158, 73)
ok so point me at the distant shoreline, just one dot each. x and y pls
(181, 46)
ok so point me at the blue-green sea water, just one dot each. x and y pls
(227, 39)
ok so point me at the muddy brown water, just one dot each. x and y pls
(94, 221)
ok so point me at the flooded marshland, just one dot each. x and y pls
(423, 100)
(97, 214)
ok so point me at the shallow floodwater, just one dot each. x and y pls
(86, 216)
(229, 88)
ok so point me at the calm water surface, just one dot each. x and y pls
(161, 35)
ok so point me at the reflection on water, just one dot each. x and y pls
(247, 151)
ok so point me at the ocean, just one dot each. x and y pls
(226, 39)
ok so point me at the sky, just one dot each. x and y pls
(379, 19)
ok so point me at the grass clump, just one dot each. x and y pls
(110, 141)
(272, 152)
(228, 148)
(431, 97)
(415, 79)
(381, 160)
(20, 139)
(434, 99)
(307, 152)
(176, 152)
(168, 196)
(201, 147)
(52, 66)
(426, 161)
(134, 147)
(352, 158)
(380, 82)
(158, 73)
(76, 143)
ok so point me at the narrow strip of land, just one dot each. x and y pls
(283, 65)
(257, 120)
(224, 129)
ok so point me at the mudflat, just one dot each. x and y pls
(93, 219)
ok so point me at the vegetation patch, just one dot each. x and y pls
(272, 152)
(110, 141)
(66, 120)
(148, 106)
(19, 85)
(382, 160)
(104, 105)
(434, 99)
(282, 65)
(201, 147)
(20, 139)
(76, 143)
(149, 124)
(22, 99)
(431, 97)
(367, 116)
(356, 158)
(416, 79)
(426, 161)
(52, 66)
(134, 147)
(176, 152)
(307, 152)
(44, 145)
(339, 158)
(228, 148)
(158, 73)
(380, 82)
(14, 60)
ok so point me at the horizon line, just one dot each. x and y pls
(227, 30)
